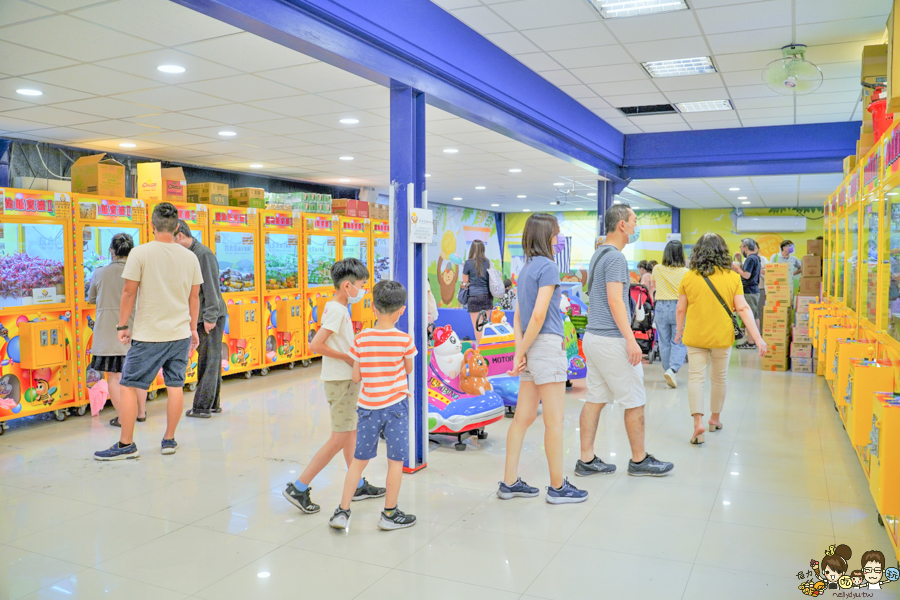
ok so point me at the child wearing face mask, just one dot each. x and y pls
(333, 341)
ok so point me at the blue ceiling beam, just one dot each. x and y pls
(417, 43)
(784, 150)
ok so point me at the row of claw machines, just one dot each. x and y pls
(856, 326)
(274, 273)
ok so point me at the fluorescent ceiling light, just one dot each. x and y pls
(263, 574)
(747, 202)
(170, 69)
(742, 197)
(343, 180)
(635, 208)
(29, 92)
(457, 198)
(346, 158)
(495, 205)
(559, 183)
(256, 166)
(349, 121)
(679, 66)
(526, 210)
(427, 174)
(734, 189)
(515, 170)
(450, 150)
(227, 133)
(704, 106)
(579, 208)
(617, 202)
(480, 187)
(521, 196)
(614, 9)
(592, 193)
(127, 145)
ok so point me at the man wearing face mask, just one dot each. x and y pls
(614, 371)
(787, 256)
(749, 270)
(210, 327)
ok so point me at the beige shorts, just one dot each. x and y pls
(546, 361)
(609, 375)
(342, 397)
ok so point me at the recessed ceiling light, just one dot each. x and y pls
(613, 9)
(704, 106)
(635, 208)
(592, 193)
(228, 133)
(427, 174)
(263, 574)
(617, 202)
(256, 166)
(746, 202)
(742, 197)
(526, 210)
(349, 121)
(559, 183)
(680, 66)
(515, 170)
(579, 208)
(734, 189)
(735, 473)
(29, 92)
(346, 158)
(521, 196)
(495, 205)
(480, 187)
(343, 180)
(457, 198)
(127, 145)
(170, 69)
(450, 150)
(726, 503)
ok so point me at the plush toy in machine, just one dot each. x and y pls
(448, 351)
(473, 379)
(498, 316)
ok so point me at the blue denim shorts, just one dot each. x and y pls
(145, 359)
(393, 421)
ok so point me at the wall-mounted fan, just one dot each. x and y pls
(792, 75)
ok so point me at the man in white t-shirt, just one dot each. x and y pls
(164, 279)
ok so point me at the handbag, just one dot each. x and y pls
(463, 296)
(738, 334)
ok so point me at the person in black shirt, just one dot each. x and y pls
(749, 271)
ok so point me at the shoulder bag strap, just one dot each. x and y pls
(722, 302)
(598, 254)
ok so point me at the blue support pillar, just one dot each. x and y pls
(409, 260)
(606, 194)
(676, 220)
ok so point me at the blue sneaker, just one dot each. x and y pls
(566, 494)
(649, 467)
(118, 453)
(169, 446)
(519, 489)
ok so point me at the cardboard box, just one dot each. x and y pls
(803, 365)
(812, 266)
(98, 176)
(810, 286)
(800, 331)
(350, 208)
(777, 274)
(816, 247)
(778, 293)
(777, 319)
(149, 182)
(866, 141)
(247, 197)
(775, 331)
(874, 63)
(774, 364)
(801, 350)
(802, 303)
(208, 193)
(174, 185)
(802, 339)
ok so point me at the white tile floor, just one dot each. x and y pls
(738, 518)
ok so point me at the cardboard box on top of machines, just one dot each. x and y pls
(247, 197)
(350, 208)
(98, 176)
(208, 193)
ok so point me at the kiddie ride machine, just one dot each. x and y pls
(37, 351)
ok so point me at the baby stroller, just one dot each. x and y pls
(644, 333)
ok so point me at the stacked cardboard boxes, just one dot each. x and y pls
(811, 276)
(247, 197)
(776, 317)
(350, 208)
(208, 193)
(802, 355)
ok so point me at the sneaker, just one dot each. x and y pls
(596, 466)
(670, 378)
(519, 489)
(746, 346)
(398, 520)
(566, 494)
(197, 414)
(649, 466)
(117, 453)
(367, 490)
(340, 519)
(300, 499)
(169, 446)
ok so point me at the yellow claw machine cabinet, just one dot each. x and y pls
(282, 321)
(321, 236)
(197, 218)
(356, 238)
(234, 238)
(37, 336)
(97, 221)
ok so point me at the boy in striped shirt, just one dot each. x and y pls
(382, 359)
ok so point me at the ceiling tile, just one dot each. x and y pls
(145, 65)
(10, 125)
(233, 114)
(636, 100)
(482, 20)
(611, 73)
(771, 101)
(122, 129)
(285, 126)
(758, 113)
(737, 42)
(172, 120)
(108, 108)
(639, 86)
(241, 88)
(299, 106)
(173, 138)
(16, 11)
(171, 98)
(657, 120)
(738, 78)
(845, 30)
(817, 11)
(579, 92)
(539, 61)
(373, 96)
(594, 57)
(74, 38)
(95, 80)
(51, 93)
(746, 61)
(700, 95)
(823, 109)
(559, 78)
(669, 25)
(569, 37)
(513, 42)
(688, 82)
(841, 70)
(247, 52)
(743, 17)
(64, 5)
(316, 77)
(750, 91)
(67, 135)
(768, 122)
(824, 118)
(19, 60)
(724, 124)
(593, 103)
(832, 53)
(48, 115)
(9, 104)
(668, 49)
(829, 98)
(533, 14)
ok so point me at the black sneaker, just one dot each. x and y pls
(398, 520)
(595, 467)
(649, 466)
(300, 499)
(340, 519)
(367, 490)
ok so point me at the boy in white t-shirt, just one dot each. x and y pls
(333, 341)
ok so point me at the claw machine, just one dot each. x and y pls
(380, 253)
(37, 336)
(234, 238)
(321, 235)
(282, 321)
(197, 218)
(356, 237)
(97, 220)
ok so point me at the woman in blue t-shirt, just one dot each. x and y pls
(541, 364)
(475, 277)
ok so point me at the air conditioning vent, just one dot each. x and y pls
(770, 224)
(653, 109)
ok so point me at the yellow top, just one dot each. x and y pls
(707, 324)
(667, 279)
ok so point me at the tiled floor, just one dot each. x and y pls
(739, 517)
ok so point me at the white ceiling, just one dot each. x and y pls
(768, 191)
(597, 61)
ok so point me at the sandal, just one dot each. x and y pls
(115, 422)
(196, 413)
(714, 426)
(141, 419)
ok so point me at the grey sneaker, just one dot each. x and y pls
(596, 466)
(340, 519)
(566, 494)
(300, 499)
(649, 466)
(366, 491)
(519, 489)
(169, 446)
(398, 520)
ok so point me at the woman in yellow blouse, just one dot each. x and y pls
(666, 281)
(709, 332)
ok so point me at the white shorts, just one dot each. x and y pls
(545, 361)
(609, 376)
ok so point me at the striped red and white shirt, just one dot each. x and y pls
(382, 355)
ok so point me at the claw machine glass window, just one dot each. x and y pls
(32, 264)
(382, 248)
(96, 241)
(356, 247)
(320, 256)
(869, 272)
(839, 258)
(282, 267)
(832, 248)
(236, 253)
(852, 257)
(891, 253)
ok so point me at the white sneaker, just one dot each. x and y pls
(670, 378)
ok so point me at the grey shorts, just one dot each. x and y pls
(145, 359)
(546, 360)
(753, 302)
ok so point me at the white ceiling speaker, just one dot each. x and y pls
(792, 75)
